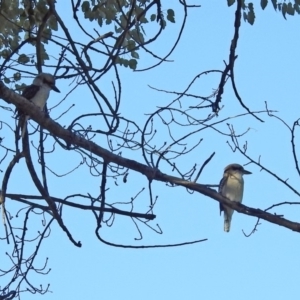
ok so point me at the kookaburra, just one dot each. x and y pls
(232, 187)
(38, 93)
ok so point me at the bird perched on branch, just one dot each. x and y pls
(232, 187)
(37, 93)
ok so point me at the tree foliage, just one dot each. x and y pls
(96, 137)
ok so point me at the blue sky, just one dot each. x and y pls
(228, 266)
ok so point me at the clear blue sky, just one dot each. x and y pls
(226, 266)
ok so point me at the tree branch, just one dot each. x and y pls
(70, 138)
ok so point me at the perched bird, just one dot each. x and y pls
(38, 93)
(232, 187)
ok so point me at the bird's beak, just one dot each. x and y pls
(246, 172)
(54, 88)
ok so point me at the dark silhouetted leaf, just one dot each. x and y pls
(17, 76)
(135, 54)
(132, 64)
(85, 6)
(263, 3)
(274, 2)
(171, 15)
(284, 9)
(251, 14)
(153, 17)
(53, 23)
(297, 8)
(6, 80)
(290, 9)
(23, 59)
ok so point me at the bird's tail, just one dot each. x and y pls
(227, 225)
(227, 218)
(22, 126)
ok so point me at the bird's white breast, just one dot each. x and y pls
(41, 96)
(234, 188)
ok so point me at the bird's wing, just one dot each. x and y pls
(220, 192)
(221, 208)
(28, 93)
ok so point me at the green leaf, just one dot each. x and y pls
(90, 15)
(26, 25)
(263, 3)
(153, 17)
(118, 60)
(85, 6)
(137, 35)
(14, 43)
(297, 9)
(124, 21)
(43, 54)
(125, 62)
(274, 2)
(6, 80)
(144, 20)
(17, 76)
(171, 15)
(131, 45)
(290, 9)
(118, 30)
(139, 12)
(251, 17)
(23, 59)
(47, 33)
(284, 9)
(5, 53)
(135, 54)
(230, 2)
(251, 14)
(132, 64)
(53, 23)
